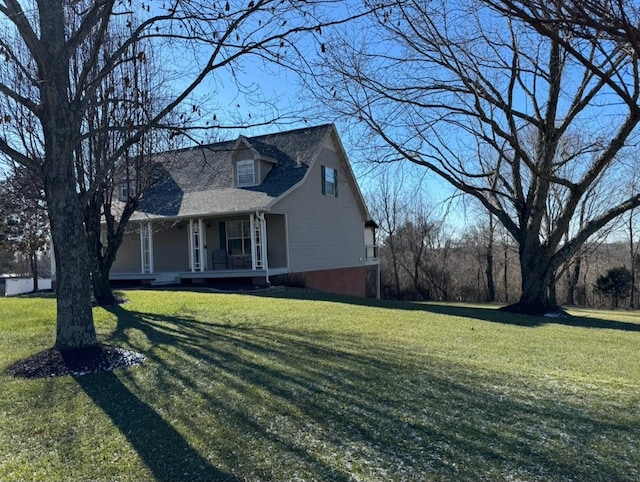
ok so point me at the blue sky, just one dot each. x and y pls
(285, 90)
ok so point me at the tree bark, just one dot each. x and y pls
(553, 293)
(59, 119)
(537, 276)
(102, 290)
(75, 328)
(102, 257)
(100, 283)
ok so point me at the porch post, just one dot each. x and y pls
(252, 231)
(263, 239)
(150, 239)
(142, 227)
(201, 243)
(191, 260)
(146, 248)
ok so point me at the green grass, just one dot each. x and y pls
(298, 386)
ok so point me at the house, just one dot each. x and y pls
(277, 207)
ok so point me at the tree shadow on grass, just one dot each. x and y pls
(287, 391)
(215, 347)
(486, 314)
(163, 450)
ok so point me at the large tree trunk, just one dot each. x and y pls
(102, 257)
(537, 277)
(100, 283)
(75, 328)
(102, 291)
(60, 128)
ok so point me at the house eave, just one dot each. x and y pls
(201, 215)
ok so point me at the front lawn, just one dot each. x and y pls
(297, 386)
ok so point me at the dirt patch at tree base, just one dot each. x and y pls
(55, 363)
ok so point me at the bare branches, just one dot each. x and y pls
(62, 71)
(511, 102)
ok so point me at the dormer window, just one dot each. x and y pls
(126, 190)
(246, 172)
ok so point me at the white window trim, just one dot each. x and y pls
(244, 238)
(126, 189)
(330, 172)
(246, 162)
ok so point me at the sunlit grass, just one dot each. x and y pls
(302, 386)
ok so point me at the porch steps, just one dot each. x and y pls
(166, 279)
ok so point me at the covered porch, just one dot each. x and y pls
(251, 246)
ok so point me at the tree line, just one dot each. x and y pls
(424, 257)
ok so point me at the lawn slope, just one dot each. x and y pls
(300, 386)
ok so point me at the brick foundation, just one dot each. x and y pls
(343, 281)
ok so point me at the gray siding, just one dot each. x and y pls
(171, 249)
(325, 232)
(276, 241)
(263, 168)
(128, 256)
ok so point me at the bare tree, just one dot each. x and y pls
(135, 92)
(417, 245)
(439, 82)
(39, 92)
(491, 287)
(23, 218)
(481, 239)
(389, 205)
(631, 231)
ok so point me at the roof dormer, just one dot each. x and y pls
(249, 166)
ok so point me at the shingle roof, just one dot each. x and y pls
(199, 180)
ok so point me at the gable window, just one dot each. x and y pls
(329, 181)
(245, 172)
(238, 238)
(126, 189)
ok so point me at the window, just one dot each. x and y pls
(245, 171)
(329, 181)
(126, 189)
(238, 238)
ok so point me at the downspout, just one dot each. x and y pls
(263, 245)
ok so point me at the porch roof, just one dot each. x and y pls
(209, 202)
